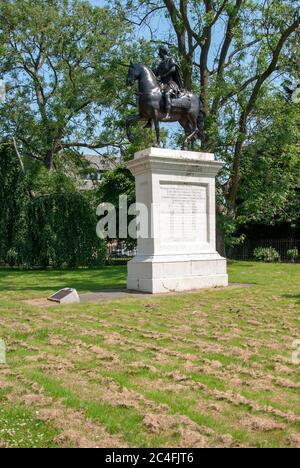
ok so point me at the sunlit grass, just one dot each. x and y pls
(210, 368)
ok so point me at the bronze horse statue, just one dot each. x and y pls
(187, 109)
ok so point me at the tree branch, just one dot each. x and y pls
(77, 144)
(229, 34)
(236, 51)
(146, 16)
(30, 192)
(249, 107)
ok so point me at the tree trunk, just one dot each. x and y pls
(187, 71)
(220, 240)
(235, 173)
(49, 161)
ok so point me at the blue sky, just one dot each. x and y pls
(160, 25)
(162, 30)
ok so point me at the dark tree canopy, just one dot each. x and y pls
(59, 59)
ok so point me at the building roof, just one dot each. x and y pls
(100, 162)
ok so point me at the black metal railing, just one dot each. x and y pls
(282, 246)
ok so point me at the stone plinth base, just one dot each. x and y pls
(179, 254)
(164, 274)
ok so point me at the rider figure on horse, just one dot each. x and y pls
(170, 77)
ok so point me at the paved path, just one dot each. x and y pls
(111, 294)
(115, 294)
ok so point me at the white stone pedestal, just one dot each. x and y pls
(178, 189)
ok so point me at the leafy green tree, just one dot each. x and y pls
(230, 51)
(270, 170)
(115, 183)
(60, 59)
(51, 229)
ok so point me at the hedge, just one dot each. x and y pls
(62, 232)
(54, 230)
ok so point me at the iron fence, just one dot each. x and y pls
(282, 246)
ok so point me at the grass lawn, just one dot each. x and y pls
(204, 369)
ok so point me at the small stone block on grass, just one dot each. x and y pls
(65, 296)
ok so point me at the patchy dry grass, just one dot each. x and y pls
(203, 369)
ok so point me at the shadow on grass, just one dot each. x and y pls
(296, 297)
(240, 264)
(44, 280)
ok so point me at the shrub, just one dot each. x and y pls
(266, 254)
(62, 232)
(292, 254)
(56, 229)
(14, 199)
(117, 261)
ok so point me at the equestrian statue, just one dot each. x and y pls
(162, 98)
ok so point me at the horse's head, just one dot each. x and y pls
(133, 74)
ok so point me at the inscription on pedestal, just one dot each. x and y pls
(178, 190)
(183, 212)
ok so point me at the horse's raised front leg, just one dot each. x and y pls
(130, 121)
